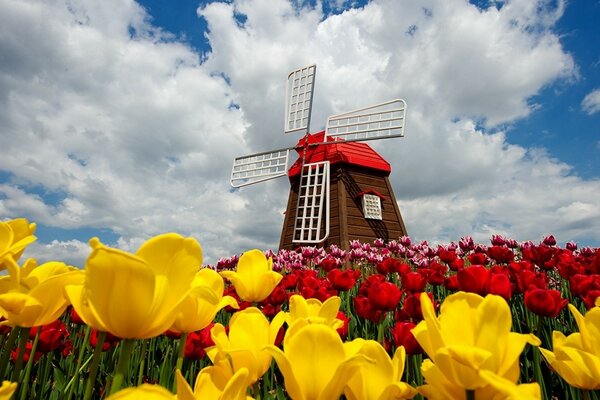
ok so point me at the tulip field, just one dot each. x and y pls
(381, 320)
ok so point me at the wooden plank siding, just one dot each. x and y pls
(346, 217)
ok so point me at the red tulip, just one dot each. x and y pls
(547, 303)
(364, 309)
(527, 279)
(343, 330)
(328, 264)
(501, 286)
(447, 256)
(451, 283)
(110, 340)
(389, 265)
(401, 332)
(413, 282)
(475, 279)
(384, 296)
(500, 254)
(342, 280)
(477, 258)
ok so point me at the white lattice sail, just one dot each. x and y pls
(312, 207)
(298, 99)
(380, 121)
(259, 167)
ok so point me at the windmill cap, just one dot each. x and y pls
(338, 152)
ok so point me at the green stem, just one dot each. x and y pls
(71, 385)
(91, 380)
(180, 353)
(143, 351)
(470, 394)
(24, 335)
(127, 346)
(8, 345)
(24, 385)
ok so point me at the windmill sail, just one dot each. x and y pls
(380, 121)
(312, 207)
(259, 167)
(298, 99)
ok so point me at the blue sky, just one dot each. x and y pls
(116, 119)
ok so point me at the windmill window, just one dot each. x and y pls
(372, 206)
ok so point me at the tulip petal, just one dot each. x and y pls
(184, 391)
(292, 386)
(122, 288)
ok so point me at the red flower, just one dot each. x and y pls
(527, 279)
(414, 282)
(401, 332)
(547, 303)
(15, 353)
(389, 265)
(477, 259)
(385, 296)
(51, 336)
(539, 255)
(457, 264)
(110, 340)
(500, 254)
(411, 309)
(75, 318)
(590, 298)
(328, 264)
(475, 279)
(451, 282)
(343, 330)
(197, 342)
(342, 280)
(277, 297)
(447, 256)
(500, 285)
(290, 281)
(581, 284)
(364, 309)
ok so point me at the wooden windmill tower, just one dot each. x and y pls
(339, 186)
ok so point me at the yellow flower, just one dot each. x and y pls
(15, 235)
(137, 296)
(144, 392)
(7, 389)
(315, 364)
(249, 333)
(576, 358)
(216, 382)
(507, 390)
(438, 387)
(314, 311)
(472, 333)
(198, 310)
(34, 295)
(254, 279)
(379, 380)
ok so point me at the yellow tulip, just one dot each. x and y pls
(7, 389)
(315, 364)
(379, 380)
(254, 278)
(438, 387)
(249, 333)
(198, 310)
(143, 392)
(315, 311)
(576, 358)
(137, 296)
(216, 382)
(472, 333)
(507, 390)
(15, 235)
(34, 295)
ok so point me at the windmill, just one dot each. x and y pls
(358, 179)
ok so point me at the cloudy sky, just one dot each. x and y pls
(120, 119)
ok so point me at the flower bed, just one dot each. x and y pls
(380, 321)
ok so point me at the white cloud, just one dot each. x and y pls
(591, 102)
(136, 133)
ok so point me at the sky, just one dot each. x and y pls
(121, 119)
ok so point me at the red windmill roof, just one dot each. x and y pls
(353, 153)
